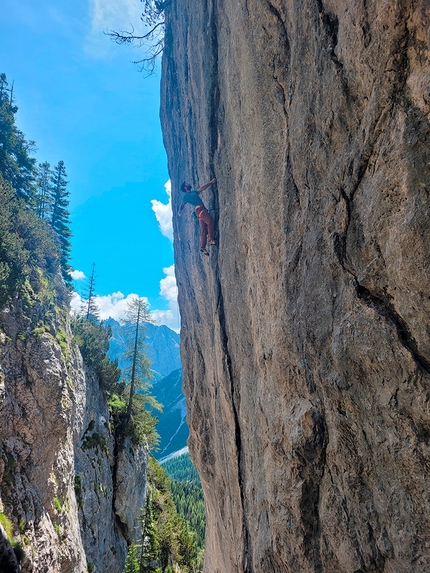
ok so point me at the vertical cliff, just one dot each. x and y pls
(305, 334)
(71, 495)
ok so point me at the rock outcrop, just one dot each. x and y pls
(305, 334)
(59, 466)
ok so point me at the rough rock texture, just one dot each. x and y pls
(40, 411)
(305, 334)
(131, 487)
(57, 459)
(110, 486)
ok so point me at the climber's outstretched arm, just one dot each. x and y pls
(206, 185)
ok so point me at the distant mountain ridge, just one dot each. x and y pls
(163, 350)
(162, 344)
(172, 423)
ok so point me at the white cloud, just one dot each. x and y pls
(75, 303)
(168, 287)
(112, 305)
(163, 213)
(169, 291)
(77, 275)
(108, 15)
(115, 305)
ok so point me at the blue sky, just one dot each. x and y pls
(82, 101)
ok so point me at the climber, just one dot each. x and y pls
(207, 227)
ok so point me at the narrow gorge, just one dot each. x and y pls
(305, 333)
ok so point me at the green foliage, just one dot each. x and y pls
(117, 408)
(17, 547)
(132, 562)
(90, 308)
(62, 340)
(168, 543)
(181, 469)
(189, 502)
(16, 164)
(95, 441)
(40, 329)
(7, 526)
(28, 244)
(131, 413)
(44, 190)
(138, 420)
(22, 525)
(60, 216)
(150, 545)
(188, 495)
(57, 505)
(18, 550)
(93, 338)
(28, 250)
(142, 424)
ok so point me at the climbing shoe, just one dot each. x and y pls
(204, 251)
(212, 242)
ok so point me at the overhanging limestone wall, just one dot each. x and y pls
(305, 337)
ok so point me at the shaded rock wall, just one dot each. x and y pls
(58, 462)
(305, 334)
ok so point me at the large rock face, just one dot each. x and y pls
(305, 334)
(41, 411)
(72, 496)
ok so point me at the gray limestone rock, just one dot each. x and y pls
(60, 471)
(305, 334)
(8, 561)
(40, 413)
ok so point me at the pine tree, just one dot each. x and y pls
(43, 197)
(149, 549)
(60, 215)
(16, 165)
(90, 307)
(138, 373)
(132, 562)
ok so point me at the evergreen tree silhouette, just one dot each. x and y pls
(60, 216)
(43, 197)
(16, 165)
(90, 307)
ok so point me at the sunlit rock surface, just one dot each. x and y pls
(58, 461)
(305, 334)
